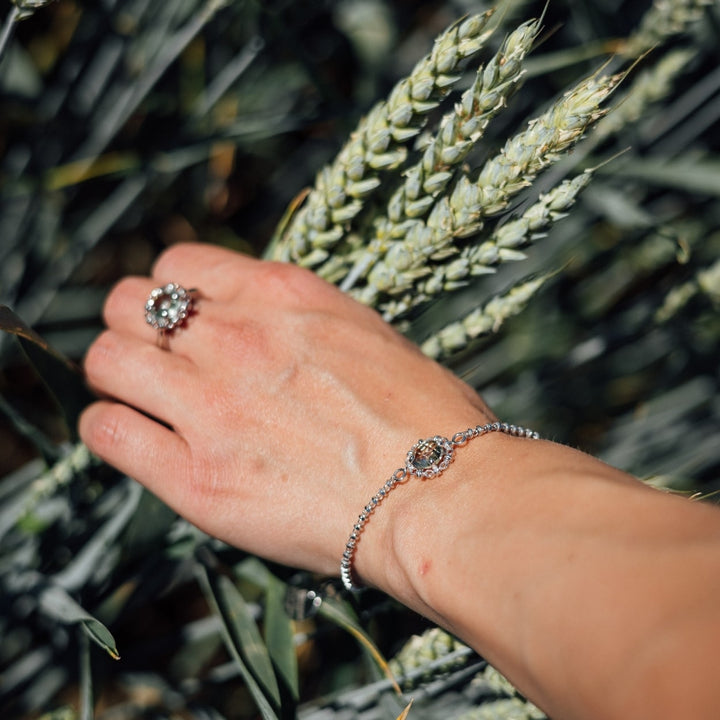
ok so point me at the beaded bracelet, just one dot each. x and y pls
(426, 459)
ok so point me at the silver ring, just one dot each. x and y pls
(167, 307)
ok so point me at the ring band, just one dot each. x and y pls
(167, 307)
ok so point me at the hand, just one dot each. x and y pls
(276, 411)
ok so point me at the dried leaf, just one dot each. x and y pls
(403, 715)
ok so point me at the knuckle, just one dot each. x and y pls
(187, 255)
(174, 257)
(220, 267)
(287, 282)
(208, 488)
(103, 430)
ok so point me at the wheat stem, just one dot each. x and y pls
(7, 30)
(20, 10)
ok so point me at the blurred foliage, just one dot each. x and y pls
(128, 125)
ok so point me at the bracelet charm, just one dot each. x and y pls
(430, 457)
(426, 459)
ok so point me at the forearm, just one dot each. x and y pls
(563, 572)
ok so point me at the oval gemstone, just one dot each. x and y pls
(426, 454)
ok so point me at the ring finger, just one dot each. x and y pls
(125, 310)
(140, 374)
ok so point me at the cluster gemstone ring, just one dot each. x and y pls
(168, 307)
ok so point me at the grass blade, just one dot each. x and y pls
(279, 635)
(56, 603)
(701, 176)
(227, 603)
(61, 376)
(278, 625)
(77, 573)
(86, 686)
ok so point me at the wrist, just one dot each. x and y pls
(415, 514)
(434, 527)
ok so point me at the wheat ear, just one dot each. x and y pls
(706, 282)
(664, 19)
(458, 133)
(485, 319)
(461, 214)
(648, 87)
(378, 144)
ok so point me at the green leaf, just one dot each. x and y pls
(698, 176)
(246, 634)
(279, 635)
(254, 571)
(148, 526)
(278, 624)
(63, 378)
(84, 564)
(227, 603)
(44, 445)
(56, 603)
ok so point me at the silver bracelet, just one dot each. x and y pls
(426, 459)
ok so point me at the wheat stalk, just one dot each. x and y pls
(378, 143)
(28, 7)
(20, 10)
(508, 705)
(502, 245)
(422, 650)
(76, 461)
(461, 213)
(459, 132)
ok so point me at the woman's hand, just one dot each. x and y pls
(276, 411)
(282, 406)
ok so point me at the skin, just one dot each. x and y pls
(282, 406)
